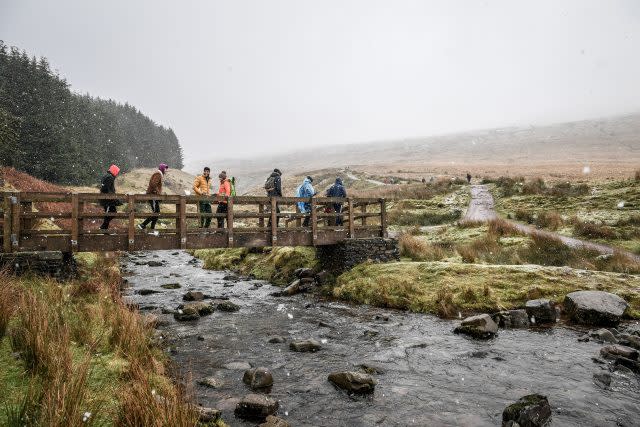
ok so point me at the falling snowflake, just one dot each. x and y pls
(586, 170)
(620, 204)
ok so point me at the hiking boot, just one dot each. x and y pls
(141, 227)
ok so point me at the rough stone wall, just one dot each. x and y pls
(54, 264)
(349, 253)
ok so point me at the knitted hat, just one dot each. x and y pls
(114, 170)
(163, 167)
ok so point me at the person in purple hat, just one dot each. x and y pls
(155, 187)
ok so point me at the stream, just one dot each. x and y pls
(428, 375)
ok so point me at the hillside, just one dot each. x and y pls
(609, 146)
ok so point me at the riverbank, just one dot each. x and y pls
(74, 354)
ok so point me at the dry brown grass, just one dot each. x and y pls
(551, 220)
(591, 230)
(479, 248)
(419, 250)
(636, 175)
(501, 227)
(8, 298)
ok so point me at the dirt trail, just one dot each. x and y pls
(482, 208)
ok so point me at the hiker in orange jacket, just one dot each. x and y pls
(202, 187)
(224, 190)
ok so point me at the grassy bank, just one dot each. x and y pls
(446, 288)
(73, 354)
(275, 265)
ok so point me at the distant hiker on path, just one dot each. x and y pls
(337, 190)
(273, 187)
(108, 187)
(202, 187)
(468, 178)
(155, 187)
(305, 190)
(224, 190)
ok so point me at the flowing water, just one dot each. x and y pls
(429, 376)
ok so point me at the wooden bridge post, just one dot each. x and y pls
(27, 223)
(314, 222)
(363, 208)
(383, 218)
(75, 205)
(352, 228)
(230, 222)
(6, 228)
(131, 229)
(260, 211)
(182, 222)
(15, 222)
(274, 222)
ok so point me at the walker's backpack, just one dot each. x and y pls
(233, 186)
(270, 183)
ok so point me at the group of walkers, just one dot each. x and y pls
(202, 186)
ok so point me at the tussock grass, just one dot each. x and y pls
(420, 250)
(398, 217)
(444, 288)
(636, 176)
(592, 230)
(551, 220)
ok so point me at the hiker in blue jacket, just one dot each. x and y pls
(305, 190)
(337, 190)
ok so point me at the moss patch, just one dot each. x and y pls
(445, 288)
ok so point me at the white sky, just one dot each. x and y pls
(239, 78)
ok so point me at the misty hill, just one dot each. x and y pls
(614, 140)
(59, 136)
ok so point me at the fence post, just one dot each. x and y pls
(261, 211)
(131, 229)
(74, 222)
(274, 222)
(230, 222)
(364, 211)
(314, 224)
(383, 218)
(6, 229)
(182, 222)
(352, 227)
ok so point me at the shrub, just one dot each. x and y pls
(551, 220)
(618, 262)
(593, 231)
(536, 186)
(419, 250)
(444, 302)
(500, 227)
(524, 216)
(545, 249)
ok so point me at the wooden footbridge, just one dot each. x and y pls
(69, 222)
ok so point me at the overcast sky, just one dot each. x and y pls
(240, 78)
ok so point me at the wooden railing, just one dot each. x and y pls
(69, 222)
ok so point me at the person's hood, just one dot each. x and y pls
(275, 174)
(306, 181)
(162, 167)
(338, 181)
(114, 170)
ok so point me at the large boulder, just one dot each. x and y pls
(541, 311)
(208, 415)
(292, 289)
(202, 308)
(304, 346)
(595, 308)
(354, 382)
(256, 407)
(228, 306)
(258, 378)
(616, 350)
(480, 326)
(186, 313)
(529, 411)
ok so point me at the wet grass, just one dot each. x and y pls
(275, 265)
(73, 354)
(446, 288)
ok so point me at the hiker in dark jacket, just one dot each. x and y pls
(337, 190)
(468, 178)
(108, 187)
(155, 187)
(273, 186)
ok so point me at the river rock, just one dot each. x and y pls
(171, 286)
(616, 350)
(541, 310)
(529, 411)
(305, 346)
(150, 320)
(237, 366)
(202, 308)
(630, 341)
(603, 335)
(228, 306)
(292, 289)
(256, 407)
(153, 263)
(303, 272)
(208, 415)
(273, 421)
(354, 382)
(480, 326)
(146, 292)
(186, 313)
(323, 277)
(602, 379)
(276, 340)
(193, 296)
(511, 319)
(631, 364)
(212, 382)
(258, 378)
(595, 308)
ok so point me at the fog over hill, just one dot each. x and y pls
(606, 140)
